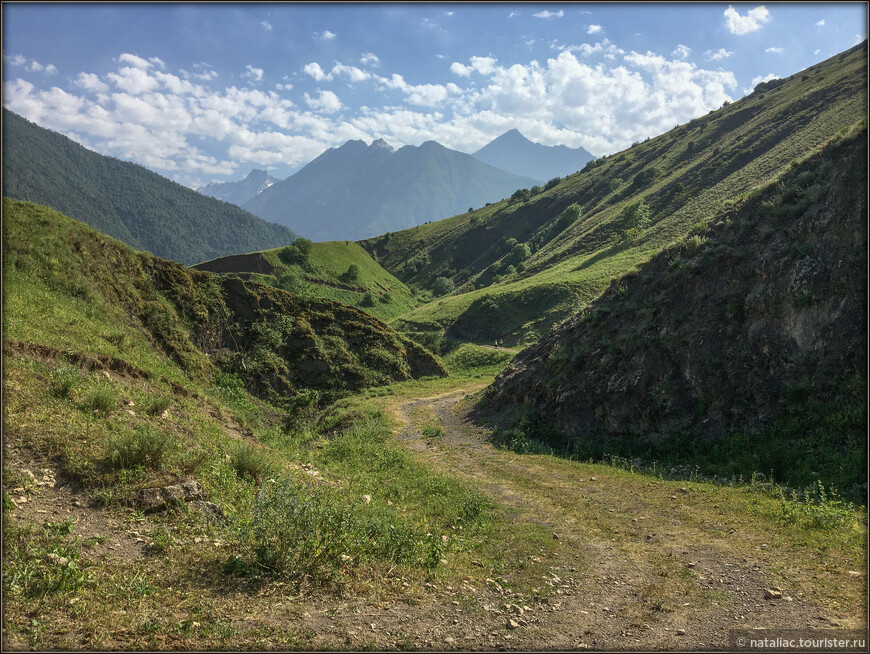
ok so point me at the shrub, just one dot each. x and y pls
(158, 405)
(296, 253)
(352, 273)
(102, 400)
(519, 252)
(521, 195)
(368, 300)
(553, 182)
(633, 218)
(249, 462)
(290, 282)
(143, 447)
(442, 286)
(66, 379)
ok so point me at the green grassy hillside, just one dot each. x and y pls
(682, 178)
(70, 288)
(124, 200)
(336, 270)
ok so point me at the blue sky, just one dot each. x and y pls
(206, 92)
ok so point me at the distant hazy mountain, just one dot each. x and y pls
(125, 200)
(357, 191)
(515, 153)
(240, 192)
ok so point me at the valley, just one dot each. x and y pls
(624, 408)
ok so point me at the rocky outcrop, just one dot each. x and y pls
(714, 334)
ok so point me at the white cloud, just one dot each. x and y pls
(549, 14)
(134, 80)
(483, 65)
(327, 102)
(593, 29)
(821, 23)
(774, 50)
(157, 61)
(253, 74)
(754, 20)
(133, 60)
(352, 73)
(36, 67)
(513, 13)
(369, 59)
(315, 71)
(681, 51)
(283, 87)
(717, 55)
(816, 52)
(266, 25)
(325, 35)
(16, 60)
(91, 82)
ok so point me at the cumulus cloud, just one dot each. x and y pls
(325, 35)
(549, 14)
(16, 60)
(513, 13)
(266, 25)
(821, 23)
(754, 20)
(91, 82)
(315, 71)
(133, 60)
(36, 67)
(593, 29)
(717, 55)
(369, 59)
(594, 95)
(775, 50)
(326, 101)
(253, 74)
(681, 51)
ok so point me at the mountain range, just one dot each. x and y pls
(238, 193)
(452, 182)
(515, 153)
(125, 200)
(357, 191)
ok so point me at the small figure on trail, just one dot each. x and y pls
(496, 342)
(501, 341)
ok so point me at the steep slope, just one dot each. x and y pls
(682, 178)
(240, 192)
(357, 191)
(335, 270)
(750, 337)
(515, 153)
(124, 200)
(70, 288)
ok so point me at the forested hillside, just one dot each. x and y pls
(125, 200)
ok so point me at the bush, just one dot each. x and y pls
(351, 274)
(296, 253)
(443, 286)
(519, 252)
(633, 218)
(290, 282)
(308, 535)
(158, 405)
(143, 447)
(553, 182)
(521, 195)
(102, 400)
(251, 463)
(368, 300)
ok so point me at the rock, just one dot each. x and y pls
(208, 510)
(681, 632)
(367, 499)
(773, 593)
(512, 624)
(156, 499)
(57, 559)
(555, 536)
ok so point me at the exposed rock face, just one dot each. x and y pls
(238, 193)
(710, 335)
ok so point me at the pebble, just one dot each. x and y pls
(773, 593)
(512, 624)
(681, 632)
